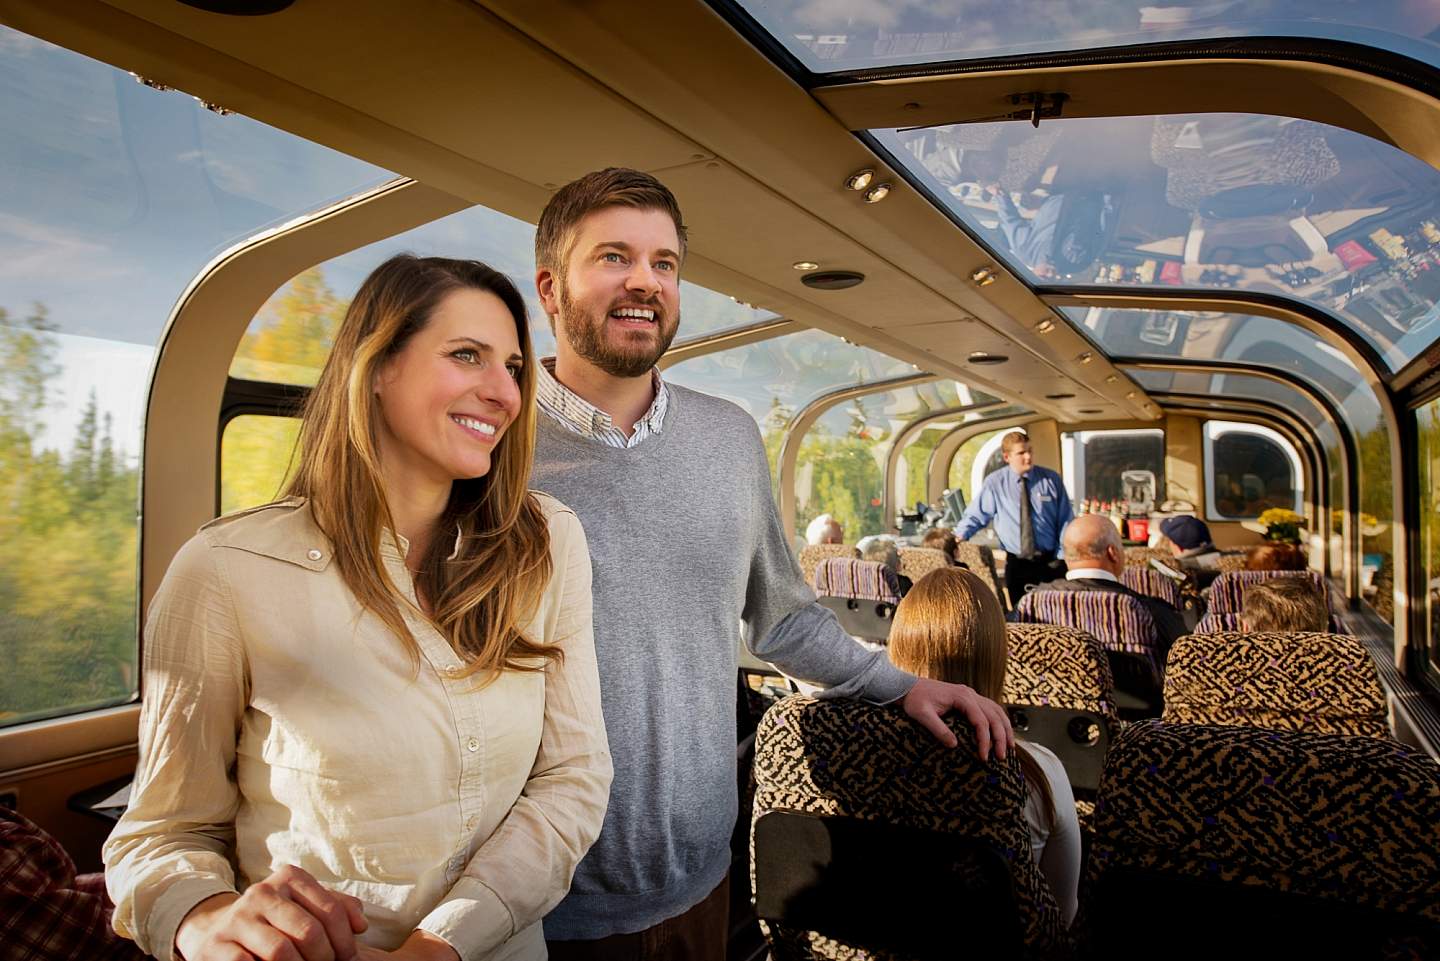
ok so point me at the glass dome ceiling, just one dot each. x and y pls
(1201, 202)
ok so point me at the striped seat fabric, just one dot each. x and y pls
(1118, 621)
(853, 768)
(1263, 844)
(1150, 582)
(980, 560)
(812, 554)
(916, 562)
(1324, 683)
(1226, 597)
(863, 580)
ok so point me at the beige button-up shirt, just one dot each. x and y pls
(283, 724)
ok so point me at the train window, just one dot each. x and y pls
(1248, 202)
(289, 338)
(257, 459)
(1248, 470)
(833, 37)
(114, 197)
(1094, 461)
(1428, 490)
(921, 447)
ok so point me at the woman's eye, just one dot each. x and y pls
(514, 371)
(465, 355)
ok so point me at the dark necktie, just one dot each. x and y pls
(1027, 521)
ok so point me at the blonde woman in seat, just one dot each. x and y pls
(371, 725)
(950, 628)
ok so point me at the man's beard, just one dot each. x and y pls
(588, 340)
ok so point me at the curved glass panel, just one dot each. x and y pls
(290, 337)
(912, 483)
(114, 196)
(1428, 488)
(833, 36)
(1260, 204)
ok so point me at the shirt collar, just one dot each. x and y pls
(564, 404)
(1090, 573)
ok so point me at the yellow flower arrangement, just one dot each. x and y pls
(1280, 515)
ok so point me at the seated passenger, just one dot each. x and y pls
(941, 539)
(825, 529)
(1094, 558)
(1273, 556)
(951, 628)
(1284, 604)
(883, 551)
(1190, 542)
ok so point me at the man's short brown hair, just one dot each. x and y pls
(611, 187)
(941, 539)
(1013, 440)
(1284, 604)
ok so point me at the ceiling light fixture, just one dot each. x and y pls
(1112, 379)
(1090, 410)
(1085, 357)
(805, 265)
(1130, 395)
(1058, 396)
(983, 276)
(860, 179)
(832, 279)
(877, 193)
(985, 357)
(1045, 326)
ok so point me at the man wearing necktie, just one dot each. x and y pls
(1029, 508)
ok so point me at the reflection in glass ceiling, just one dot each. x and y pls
(1234, 387)
(834, 35)
(1259, 204)
(1219, 337)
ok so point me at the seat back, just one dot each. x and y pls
(1231, 563)
(1150, 582)
(980, 560)
(916, 562)
(1123, 627)
(1302, 844)
(846, 794)
(812, 554)
(1141, 556)
(1227, 596)
(1326, 683)
(865, 619)
(863, 580)
(1059, 692)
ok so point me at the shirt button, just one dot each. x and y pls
(473, 744)
(314, 554)
(454, 671)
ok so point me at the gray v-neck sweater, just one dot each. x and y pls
(688, 556)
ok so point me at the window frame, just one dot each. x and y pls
(1208, 438)
(1072, 457)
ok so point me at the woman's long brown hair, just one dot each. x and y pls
(481, 598)
(950, 627)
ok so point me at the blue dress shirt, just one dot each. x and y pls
(999, 501)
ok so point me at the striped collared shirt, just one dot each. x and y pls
(578, 415)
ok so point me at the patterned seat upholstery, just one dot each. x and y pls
(1119, 622)
(980, 560)
(916, 562)
(863, 580)
(1057, 684)
(1324, 683)
(812, 554)
(1226, 596)
(1150, 582)
(1230, 563)
(1142, 556)
(1260, 843)
(849, 770)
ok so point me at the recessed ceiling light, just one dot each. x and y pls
(877, 193)
(1090, 410)
(985, 357)
(1045, 326)
(860, 179)
(1112, 379)
(1085, 357)
(1058, 396)
(833, 279)
(982, 276)
(1130, 395)
(239, 8)
(805, 265)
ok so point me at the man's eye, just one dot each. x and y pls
(612, 258)
(666, 265)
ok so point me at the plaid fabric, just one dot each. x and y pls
(864, 580)
(46, 912)
(812, 554)
(916, 562)
(1118, 621)
(1150, 582)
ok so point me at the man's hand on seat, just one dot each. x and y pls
(928, 702)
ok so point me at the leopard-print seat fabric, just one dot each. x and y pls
(980, 560)
(847, 758)
(1053, 666)
(1325, 683)
(1141, 556)
(1230, 563)
(812, 554)
(1247, 812)
(916, 562)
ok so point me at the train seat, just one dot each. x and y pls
(1226, 597)
(1241, 842)
(916, 562)
(862, 594)
(812, 554)
(1060, 694)
(1324, 683)
(1150, 582)
(846, 794)
(981, 560)
(1123, 627)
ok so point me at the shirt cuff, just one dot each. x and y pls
(471, 919)
(179, 898)
(889, 683)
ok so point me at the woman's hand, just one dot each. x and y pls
(288, 916)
